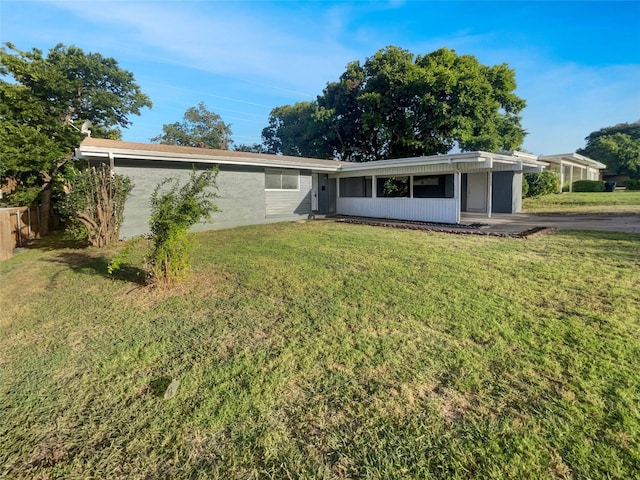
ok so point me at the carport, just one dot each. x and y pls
(572, 167)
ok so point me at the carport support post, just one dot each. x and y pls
(457, 193)
(489, 192)
(571, 179)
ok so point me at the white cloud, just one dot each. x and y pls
(228, 41)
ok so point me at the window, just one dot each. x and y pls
(355, 187)
(281, 179)
(392, 186)
(433, 186)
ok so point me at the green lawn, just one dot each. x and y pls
(619, 202)
(327, 350)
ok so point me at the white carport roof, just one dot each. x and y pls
(574, 159)
(480, 158)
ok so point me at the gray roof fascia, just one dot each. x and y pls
(91, 151)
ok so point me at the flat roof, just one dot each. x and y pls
(105, 148)
(575, 158)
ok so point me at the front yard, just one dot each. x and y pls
(326, 350)
(618, 202)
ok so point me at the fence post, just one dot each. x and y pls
(19, 228)
(29, 220)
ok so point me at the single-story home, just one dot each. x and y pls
(258, 188)
(572, 167)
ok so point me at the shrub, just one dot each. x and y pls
(525, 187)
(588, 186)
(542, 183)
(632, 184)
(94, 204)
(174, 209)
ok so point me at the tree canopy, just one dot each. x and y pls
(199, 127)
(618, 147)
(43, 101)
(398, 104)
(298, 130)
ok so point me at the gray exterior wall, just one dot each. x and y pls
(289, 204)
(242, 198)
(506, 196)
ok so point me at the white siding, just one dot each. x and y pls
(441, 210)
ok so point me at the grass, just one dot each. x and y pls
(618, 202)
(326, 350)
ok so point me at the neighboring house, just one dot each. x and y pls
(572, 167)
(258, 188)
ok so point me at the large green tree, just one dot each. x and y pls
(398, 104)
(298, 130)
(43, 101)
(199, 127)
(618, 147)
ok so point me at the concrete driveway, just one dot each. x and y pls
(518, 222)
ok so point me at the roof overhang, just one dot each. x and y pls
(574, 159)
(98, 149)
(480, 159)
(111, 150)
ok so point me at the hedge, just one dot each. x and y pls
(587, 186)
(542, 183)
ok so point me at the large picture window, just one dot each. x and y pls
(433, 186)
(355, 187)
(281, 179)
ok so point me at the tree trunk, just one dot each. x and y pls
(45, 209)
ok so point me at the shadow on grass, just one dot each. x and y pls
(54, 241)
(159, 386)
(92, 263)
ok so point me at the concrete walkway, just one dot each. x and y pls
(518, 222)
(512, 225)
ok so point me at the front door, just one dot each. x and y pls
(476, 192)
(314, 192)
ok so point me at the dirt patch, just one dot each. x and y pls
(51, 450)
(202, 284)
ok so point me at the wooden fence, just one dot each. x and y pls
(18, 225)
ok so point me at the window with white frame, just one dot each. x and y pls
(281, 179)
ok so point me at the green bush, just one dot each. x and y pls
(525, 187)
(542, 183)
(632, 184)
(174, 209)
(588, 186)
(93, 206)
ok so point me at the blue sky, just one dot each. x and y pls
(577, 63)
